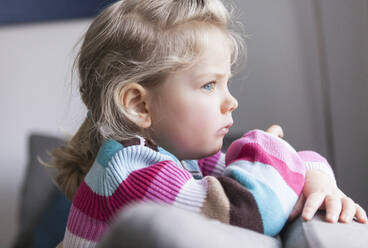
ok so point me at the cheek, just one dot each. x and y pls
(199, 123)
(198, 114)
(189, 129)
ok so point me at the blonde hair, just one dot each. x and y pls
(138, 41)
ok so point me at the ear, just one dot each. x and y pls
(133, 98)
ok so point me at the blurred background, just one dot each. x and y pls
(307, 70)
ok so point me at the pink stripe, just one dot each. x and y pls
(177, 175)
(148, 182)
(84, 226)
(91, 203)
(272, 145)
(154, 193)
(171, 190)
(164, 177)
(135, 185)
(176, 171)
(172, 171)
(164, 189)
(161, 181)
(209, 163)
(254, 152)
(157, 194)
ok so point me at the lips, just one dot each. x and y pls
(229, 125)
(224, 130)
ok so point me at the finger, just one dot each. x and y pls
(333, 208)
(312, 204)
(360, 214)
(276, 130)
(348, 210)
(298, 207)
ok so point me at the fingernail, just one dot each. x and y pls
(308, 215)
(332, 217)
(345, 219)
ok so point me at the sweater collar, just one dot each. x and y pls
(139, 140)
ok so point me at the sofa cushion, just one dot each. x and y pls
(43, 209)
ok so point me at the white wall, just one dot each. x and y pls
(35, 95)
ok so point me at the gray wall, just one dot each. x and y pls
(296, 50)
(281, 81)
(294, 47)
(345, 29)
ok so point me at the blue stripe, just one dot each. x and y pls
(268, 175)
(104, 180)
(107, 151)
(270, 207)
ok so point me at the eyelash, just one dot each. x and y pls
(212, 83)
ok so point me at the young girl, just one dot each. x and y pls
(154, 78)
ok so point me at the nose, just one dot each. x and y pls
(229, 104)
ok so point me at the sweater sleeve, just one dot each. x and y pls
(121, 176)
(272, 171)
(314, 161)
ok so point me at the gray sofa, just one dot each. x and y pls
(155, 226)
(43, 213)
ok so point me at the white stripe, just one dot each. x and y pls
(74, 241)
(141, 140)
(192, 195)
(321, 167)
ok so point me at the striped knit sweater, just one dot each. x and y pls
(255, 185)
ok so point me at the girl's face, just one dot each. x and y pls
(192, 108)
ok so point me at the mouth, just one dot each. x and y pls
(229, 125)
(224, 130)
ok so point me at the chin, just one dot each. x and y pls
(212, 151)
(202, 151)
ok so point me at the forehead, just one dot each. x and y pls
(214, 56)
(189, 42)
(208, 55)
(211, 66)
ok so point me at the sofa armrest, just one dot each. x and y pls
(319, 233)
(151, 225)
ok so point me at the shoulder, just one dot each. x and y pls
(128, 155)
(115, 161)
(107, 151)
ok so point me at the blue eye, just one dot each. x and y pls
(209, 86)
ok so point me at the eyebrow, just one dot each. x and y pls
(217, 75)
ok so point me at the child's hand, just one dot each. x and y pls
(275, 130)
(321, 192)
